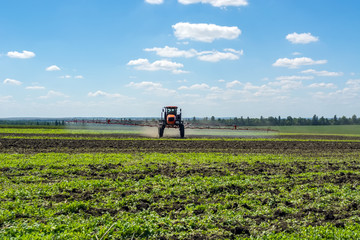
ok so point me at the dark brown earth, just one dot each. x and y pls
(124, 136)
(25, 145)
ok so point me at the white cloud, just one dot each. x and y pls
(215, 56)
(286, 84)
(182, 81)
(53, 68)
(52, 94)
(179, 71)
(172, 52)
(145, 85)
(69, 76)
(292, 78)
(350, 92)
(201, 86)
(204, 32)
(250, 86)
(233, 84)
(5, 99)
(248, 92)
(218, 3)
(266, 91)
(165, 65)
(297, 62)
(151, 87)
(322, 85)
(35, 88)
(66, 76)
(23, 55)
(155, 1)
(302, 38)
(215, 89)
(209, 56)
(323, 73)
(12, 82)
(105, 94)
(296, 53)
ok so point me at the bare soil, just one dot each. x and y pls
(26, 145)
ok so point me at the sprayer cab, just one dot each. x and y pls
(171, 118)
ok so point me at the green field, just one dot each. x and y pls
(82, 196)
(131, 196)
(349, 130)
(71, 130)
(184, 195)
(332, 129)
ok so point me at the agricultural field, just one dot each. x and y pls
(88, 184)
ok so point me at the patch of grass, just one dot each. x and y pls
(77, 130)
(182, 195)
(349, 130)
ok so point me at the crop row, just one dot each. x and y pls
(339, 130)
(78, 130)
(179, 196)
(139, 138)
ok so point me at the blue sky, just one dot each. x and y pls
(223, 58)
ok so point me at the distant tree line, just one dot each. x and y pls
(238, 121)
(33, 122)
(275, 121)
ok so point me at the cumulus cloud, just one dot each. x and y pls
(302, 38)
(233, 84)
(35, 88)
(105, 94)
(349, 92)
(297, 62)
(23, 55)
(215, 89)
(209, 56)
(354, 82)
(172, 52)
(218, 3)
(5, 99)
(204, 32)
(154, 1)
(151, 87)
(12, 82)
(53, 68)
(201, 86)
(65, 76)
(69, 76)
(248, 92)
(165, 65)
(145, 85)
(215, 56)
(323, 73)
(292, 78)
(322, 85)
(52, 94)
(286, 84)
